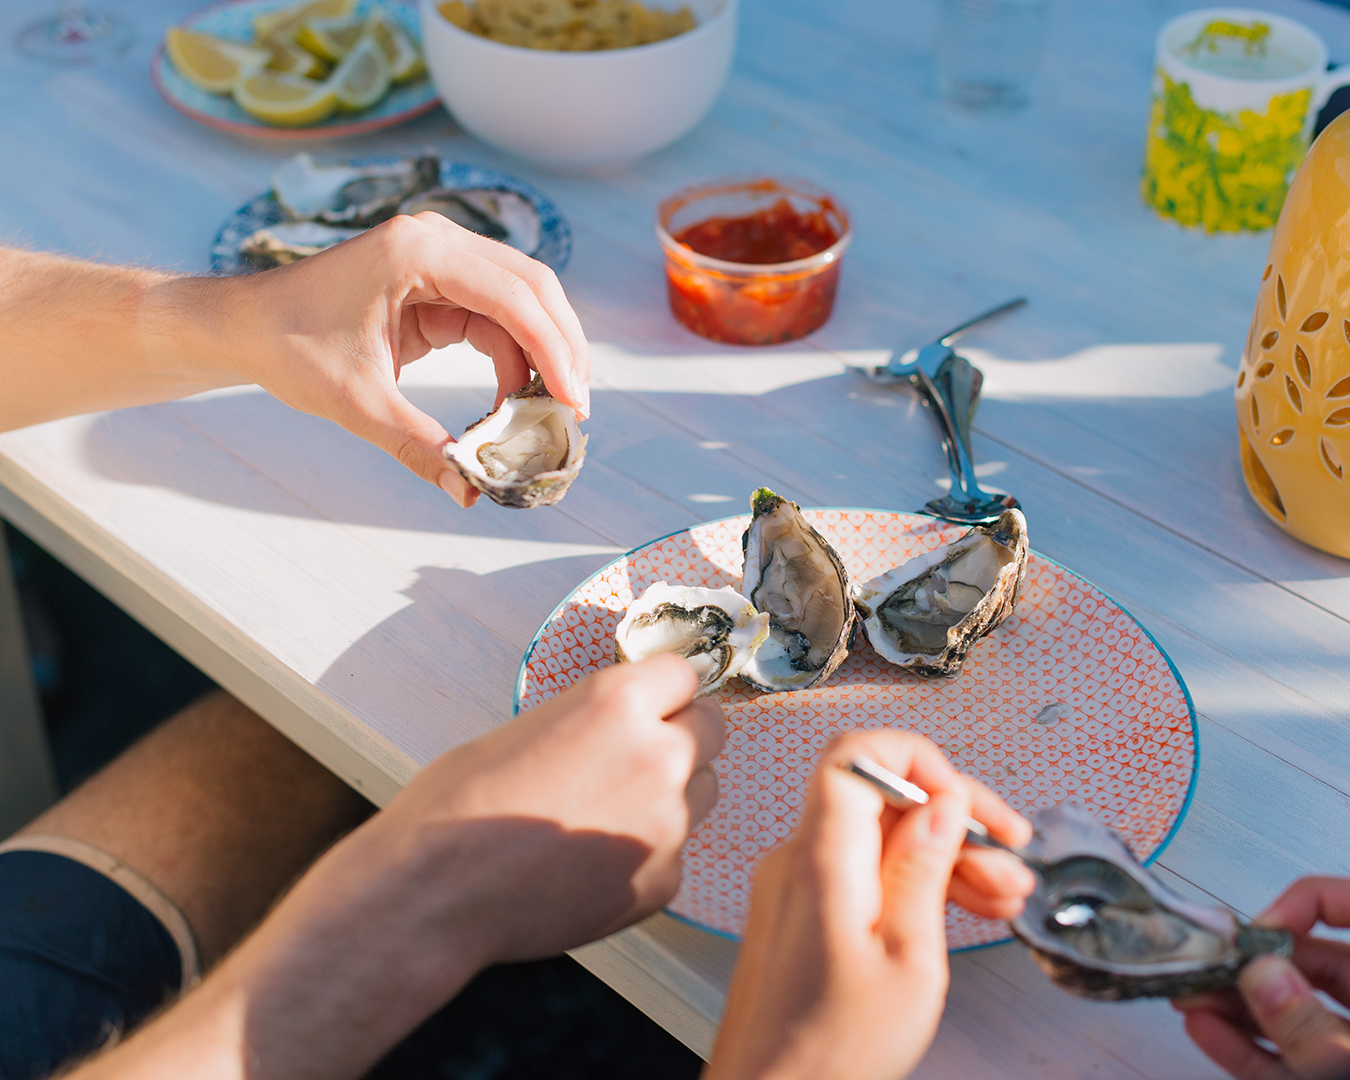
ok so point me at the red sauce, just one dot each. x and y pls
(776, 234)
(746, 305)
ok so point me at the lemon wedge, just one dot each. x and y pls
(289, 18)
(289, 57)
(275, 97)
(330, 38)
(362, 79)
(210, 62)
(405, 59)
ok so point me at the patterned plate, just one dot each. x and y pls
(234, 19)
(1070, 699)
(555, 235)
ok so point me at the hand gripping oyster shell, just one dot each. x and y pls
(792, 573)
(716, 630)
(526, 454)
(927, 613)
(1103, 927)
(352, 195)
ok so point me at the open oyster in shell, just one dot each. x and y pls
(792, 573)
(716, 630)
(351, 195)
(492, 212)
(291, 241)
(927, 613)
(1101, 926)
(526, 454)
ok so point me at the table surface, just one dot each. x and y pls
(378, 625)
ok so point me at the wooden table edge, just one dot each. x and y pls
(637, 963)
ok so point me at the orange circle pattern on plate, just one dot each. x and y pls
(1070, 699)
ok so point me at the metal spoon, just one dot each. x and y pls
(898, 791)
(951, 385)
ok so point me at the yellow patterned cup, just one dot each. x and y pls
(1293, 388)
(1235, 95)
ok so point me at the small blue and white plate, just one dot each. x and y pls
(234, 20)
(555, 235)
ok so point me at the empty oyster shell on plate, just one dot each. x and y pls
(352, 195)
(1100, 925)
(716, 630)
(526, 453)
(495, 213)
(290, 241)
(927, 613)
(793, 573)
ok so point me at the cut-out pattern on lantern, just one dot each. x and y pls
(1293, 419)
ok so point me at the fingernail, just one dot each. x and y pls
(581, 394)
(1270, 983)
(452, 485)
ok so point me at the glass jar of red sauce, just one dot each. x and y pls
(752, 262)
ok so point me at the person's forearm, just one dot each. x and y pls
(79, 337)
(368, 944)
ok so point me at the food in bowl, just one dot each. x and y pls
(582, 111)
(568, 25)
(752, 262)
(304, 63)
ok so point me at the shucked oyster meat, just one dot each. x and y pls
(291, 241)
(792, 573)
(1102, 926)
(927, 613)
(492, 212)
(526, 454)
(351, 195)
(716, 630)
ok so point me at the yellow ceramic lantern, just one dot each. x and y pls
(1293, 390)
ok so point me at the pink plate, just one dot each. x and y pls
(1070, 699)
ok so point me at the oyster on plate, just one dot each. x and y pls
(716, 630)
(291, 241)
(495, 213)
(351, 195)
(1102, 926)
(792, 573)
(526, 454)
(927, 613)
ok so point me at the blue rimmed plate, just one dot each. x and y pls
(555, 235)
(1070, 699)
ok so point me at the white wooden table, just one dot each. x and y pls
(378, 625)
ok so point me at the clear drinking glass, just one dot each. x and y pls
(988, 50)
(75, 34)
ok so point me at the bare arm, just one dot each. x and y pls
(328, 335)
(557, 828)
(78, 337)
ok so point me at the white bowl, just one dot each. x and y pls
(577, 111)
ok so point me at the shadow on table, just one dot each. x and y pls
(843, 442)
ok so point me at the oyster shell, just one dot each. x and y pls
(927, 613)
(495, 213)
(354, 195)
(291, 241)
(525, 454)
(792, 573)
(1102, 926)
(717, 630)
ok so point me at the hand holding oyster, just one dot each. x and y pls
(1101, 926)
(526, 454)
